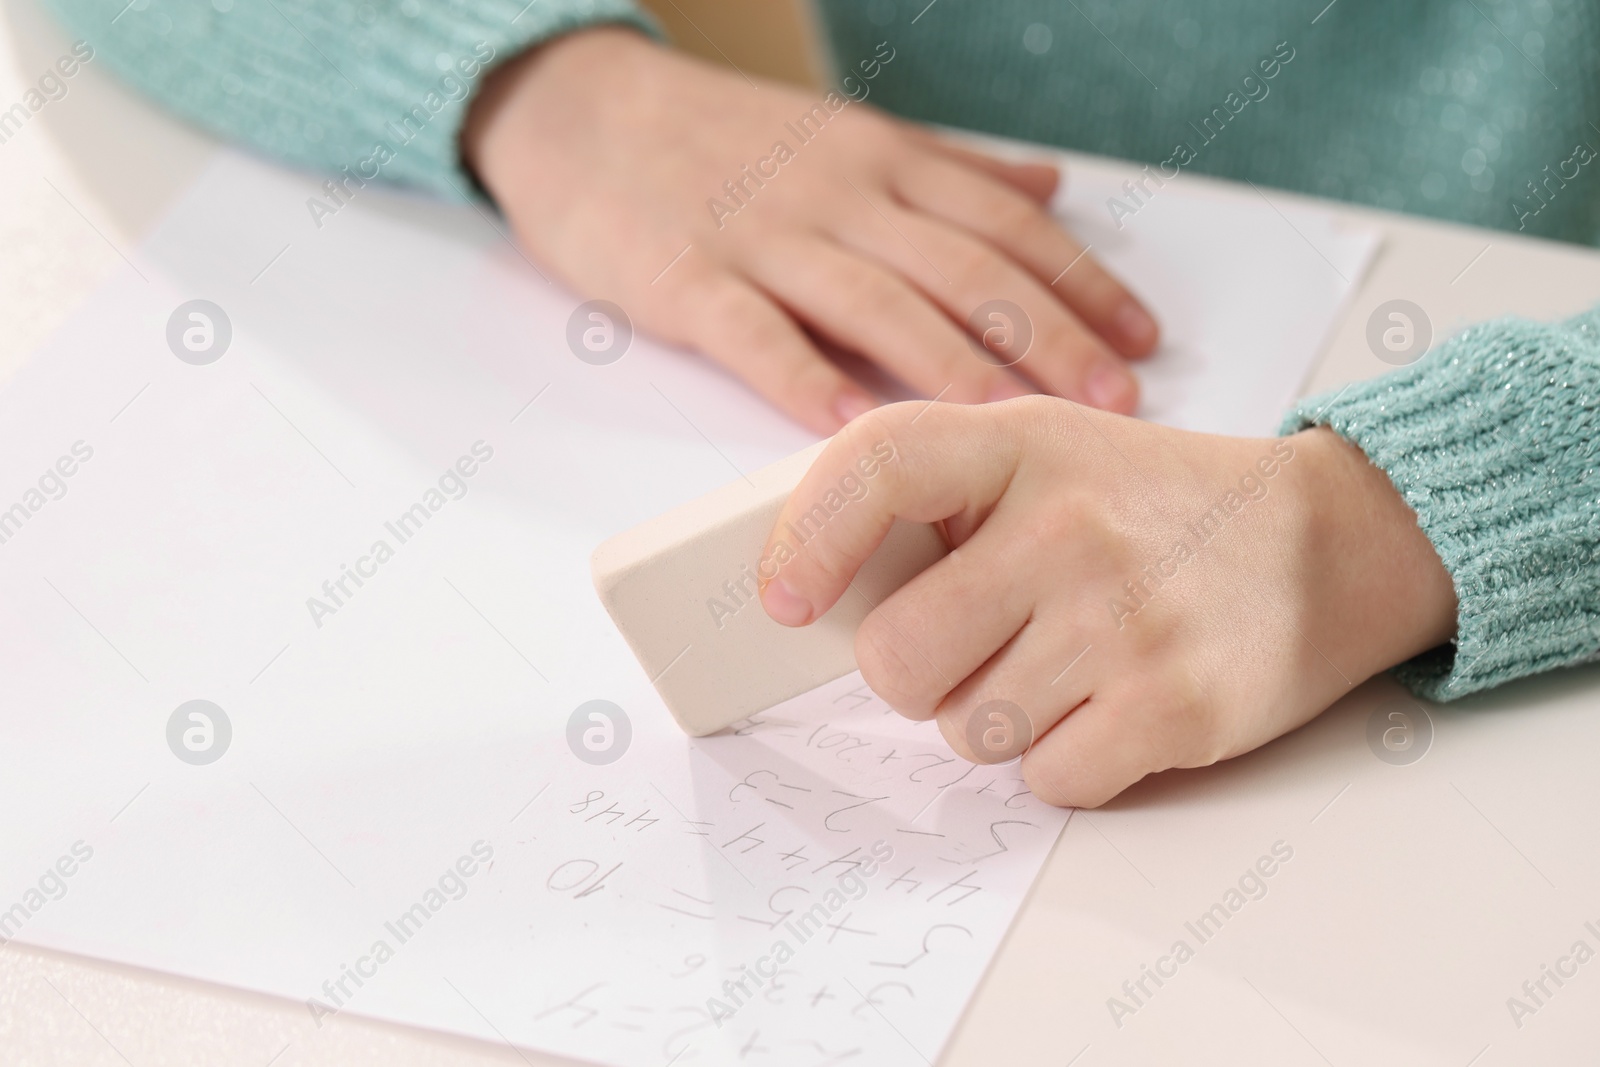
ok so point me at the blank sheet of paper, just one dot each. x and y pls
(363, 533)
(1247, 289)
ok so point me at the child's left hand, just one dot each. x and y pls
(1149, 598)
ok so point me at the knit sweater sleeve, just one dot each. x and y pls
(1493, 440)
(381, 87)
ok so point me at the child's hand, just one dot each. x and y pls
(1148, 598)
(606, 151)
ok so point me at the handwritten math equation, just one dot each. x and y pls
(824, 883)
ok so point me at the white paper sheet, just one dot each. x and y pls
(422, 724)
(1247, 289)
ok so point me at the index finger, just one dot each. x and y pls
(1027, 233)
(918, 461)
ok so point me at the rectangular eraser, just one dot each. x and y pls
(682, 589)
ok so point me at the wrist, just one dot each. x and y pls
(544, 80)
(1377, 592)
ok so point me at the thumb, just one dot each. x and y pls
(915, 461)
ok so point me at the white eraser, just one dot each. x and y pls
(682, 589)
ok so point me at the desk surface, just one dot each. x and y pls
(1418, 899)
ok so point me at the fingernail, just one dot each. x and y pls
(784, 604)
(1135, 325)
(851, 406)
(1111, 388)
(1007, 388)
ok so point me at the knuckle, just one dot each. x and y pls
(1047, 422)
(1040, 417)
(972, 265)
(1016, 219)
(1208, 747)
(871, 132)
(1203, 732)
(1180, 725)
(802, 377)
(868, 295)
(882, 445)
(722, 308)
(727, 312)
(882, 424)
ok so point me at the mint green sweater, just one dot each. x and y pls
(1453, 108)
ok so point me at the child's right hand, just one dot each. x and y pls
(1147, 597)
(604, 149)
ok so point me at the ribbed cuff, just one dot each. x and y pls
(379, 92)
(1494, 441)
(483, 33)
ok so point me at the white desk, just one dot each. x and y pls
(1418, 898)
